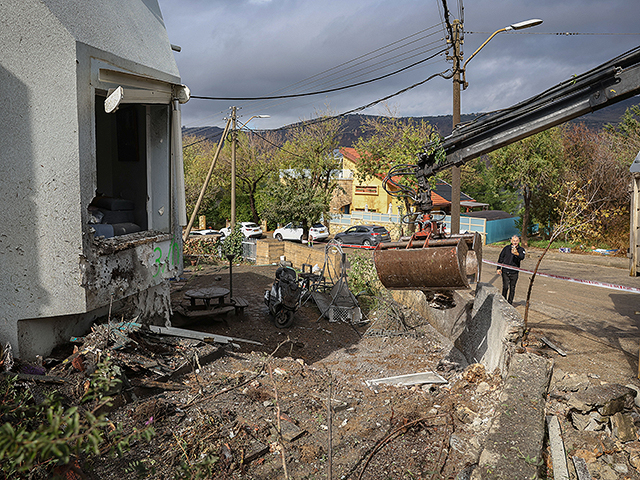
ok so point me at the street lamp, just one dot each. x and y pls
(516, 26)
(234, 140)
(455, 171)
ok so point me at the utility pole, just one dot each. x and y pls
(233, 167)
(455, 171)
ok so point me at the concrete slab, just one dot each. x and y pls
(410, 379)
(558, 454)
(513, 448)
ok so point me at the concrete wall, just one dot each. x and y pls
(41, 238)
(484, 327)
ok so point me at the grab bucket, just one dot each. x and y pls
(445, 264)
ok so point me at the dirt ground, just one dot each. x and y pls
(223, 417)
(251, 411)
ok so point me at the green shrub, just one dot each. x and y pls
(45, 435)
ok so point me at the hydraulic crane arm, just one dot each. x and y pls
(428, 262)
(598, 88)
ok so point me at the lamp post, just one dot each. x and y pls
(457, 59)
(234, 140)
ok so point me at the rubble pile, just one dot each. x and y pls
(599, 424)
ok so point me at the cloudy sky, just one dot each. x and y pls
(255, 48)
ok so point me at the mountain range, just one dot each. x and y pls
(352, 127)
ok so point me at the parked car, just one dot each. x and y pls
(364, 235)
(249, 230)
(295, 232)
(207, 231)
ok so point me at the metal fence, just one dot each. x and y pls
(249, 249)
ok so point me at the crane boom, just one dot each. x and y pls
(610, 83)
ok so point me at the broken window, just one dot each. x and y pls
(133, 182)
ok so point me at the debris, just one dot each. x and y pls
(410, 379)
(608, 398)
(558, 456)
(256, 450)
(474, 373)
(290, 431)
(581, 468)
(146, 383)
(35, 378)
(553, 346)
(203, 336)
(623, 428)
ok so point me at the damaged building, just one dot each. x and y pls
(91, 175)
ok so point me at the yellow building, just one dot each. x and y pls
(358, 195)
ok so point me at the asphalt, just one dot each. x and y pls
(491, 252)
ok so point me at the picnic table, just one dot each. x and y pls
(207, 295)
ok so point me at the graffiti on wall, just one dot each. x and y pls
(168, 261)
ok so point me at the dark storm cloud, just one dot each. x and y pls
(253, 48)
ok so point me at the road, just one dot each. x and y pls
(599, 327)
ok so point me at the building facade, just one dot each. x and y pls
(91, 171)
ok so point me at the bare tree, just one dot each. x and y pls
(577, 211)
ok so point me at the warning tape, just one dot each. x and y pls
(569, 279)
(366, 247)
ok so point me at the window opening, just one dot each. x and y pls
(132, 170)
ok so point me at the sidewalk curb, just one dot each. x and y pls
(513, 449)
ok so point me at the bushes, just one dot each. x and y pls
(38, 438)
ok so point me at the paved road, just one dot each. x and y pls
(583, 318)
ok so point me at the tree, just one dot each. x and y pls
(306, 181)
(592, 163)
(197, 156)
(393, 142)
(576, 213)
(532, 166)
(257, 162)
(478, 180)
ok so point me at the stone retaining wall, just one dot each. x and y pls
(270, 250)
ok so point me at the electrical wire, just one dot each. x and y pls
(330, 90)
(568, 34)
(355, 110)
(265, 104)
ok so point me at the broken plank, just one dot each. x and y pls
(581, 468)
(203, 336)
(410, 379)
(256, 449)
(290, 431)
(36, 378)
(143, 382)
(553, 346)
(558, 456)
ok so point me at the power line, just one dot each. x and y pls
(343, 68)
(349, 112)
(330, 90)
(567, 34)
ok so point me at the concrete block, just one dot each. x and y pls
(493, 326)
(513, 448)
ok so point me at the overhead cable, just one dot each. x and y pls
(330, 90)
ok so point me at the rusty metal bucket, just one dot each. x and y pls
(445, 264)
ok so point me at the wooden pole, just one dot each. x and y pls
(206, 182)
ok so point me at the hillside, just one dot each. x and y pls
(353, 123)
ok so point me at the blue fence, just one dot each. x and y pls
(493, 231)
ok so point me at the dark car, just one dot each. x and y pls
(364, 235)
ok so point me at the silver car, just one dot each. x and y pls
(364, 235)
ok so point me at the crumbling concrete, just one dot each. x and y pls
(484, 328)
(513, 448)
